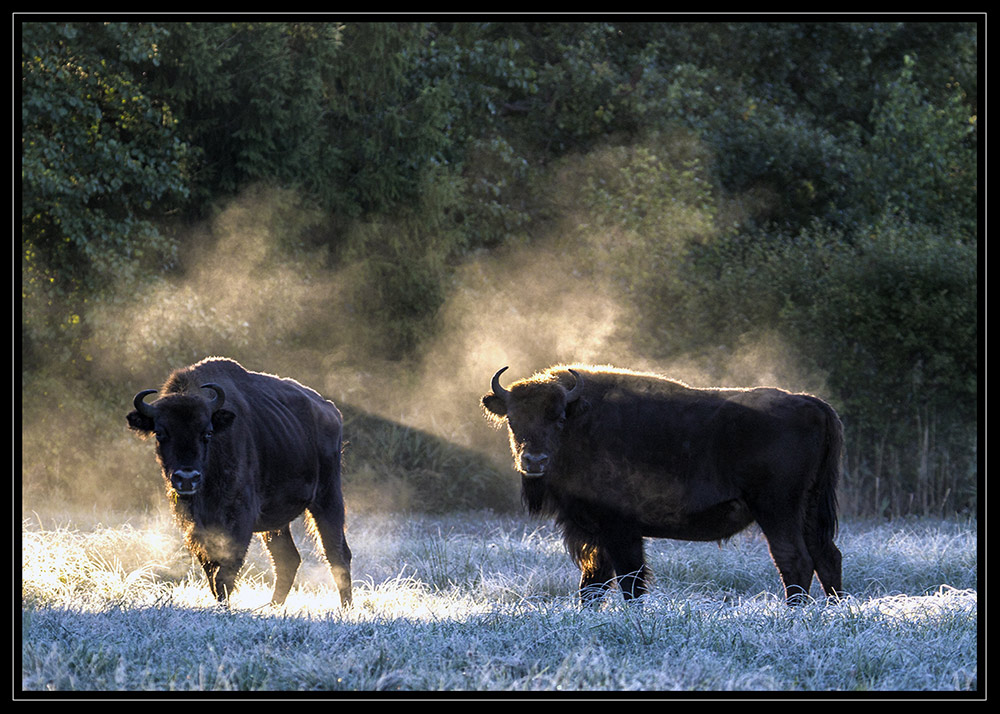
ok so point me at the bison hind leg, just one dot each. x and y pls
(330, 532)
(285, 560)
(827, 560)
(793, 561)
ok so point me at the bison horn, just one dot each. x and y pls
(497, 389)
(220, 395)
(574, 394)
(140, 406)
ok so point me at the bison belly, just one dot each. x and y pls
(280, 508)
(717, 522)
(668, 505)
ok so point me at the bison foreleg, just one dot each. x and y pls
(221, 557)
(285, 560)
(596, 574)
(594, 584)
(630, 566)
(221, 578)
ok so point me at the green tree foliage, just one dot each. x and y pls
(922, 156)
(100, 160)
(349, 116)
(250, 98)
(338, 111)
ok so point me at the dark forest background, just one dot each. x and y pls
(390, 212)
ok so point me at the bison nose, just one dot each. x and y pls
(185, 481)
(533, 464)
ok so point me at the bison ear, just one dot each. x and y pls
(222, 419)
(139, 423)
(577, 407)
(494, 407)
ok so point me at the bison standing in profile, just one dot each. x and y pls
(616, 456)
(243, 453)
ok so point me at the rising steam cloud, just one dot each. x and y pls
(242, 294)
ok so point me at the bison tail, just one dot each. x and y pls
(824, 494)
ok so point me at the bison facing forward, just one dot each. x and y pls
(252, 456)
(616, 456)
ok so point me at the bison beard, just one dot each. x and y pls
(616, 456)
(259, 453)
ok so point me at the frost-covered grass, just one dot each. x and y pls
(484, 602)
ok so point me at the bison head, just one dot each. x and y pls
(536, 412)
(184, 425)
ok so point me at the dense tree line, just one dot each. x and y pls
(816, 179)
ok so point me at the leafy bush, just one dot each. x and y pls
(101, 160)
(890, 317)
(922, 159)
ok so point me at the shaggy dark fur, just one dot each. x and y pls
(615, 456)
(243, 453)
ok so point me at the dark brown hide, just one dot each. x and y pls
(615, 456)
(242, 453)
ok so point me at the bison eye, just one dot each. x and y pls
(207, 436)
(161, 436)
